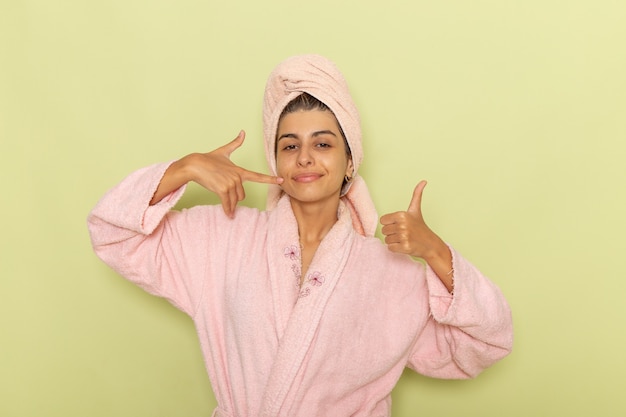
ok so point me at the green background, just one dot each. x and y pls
(514, 111)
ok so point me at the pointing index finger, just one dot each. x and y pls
(260, 178)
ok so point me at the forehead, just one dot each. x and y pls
(306, 120)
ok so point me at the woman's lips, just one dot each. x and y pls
(306, 177)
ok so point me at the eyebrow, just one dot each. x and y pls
(315, 134)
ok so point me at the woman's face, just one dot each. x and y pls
(311, 156)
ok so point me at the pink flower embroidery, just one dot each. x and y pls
(295, 268)
(292, 252)
(304, 292)
(316, 279)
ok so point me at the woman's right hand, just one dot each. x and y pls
(215, 172)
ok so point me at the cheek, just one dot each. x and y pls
(345, 165)
(280, 165)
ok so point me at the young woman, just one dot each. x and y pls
(300, 311)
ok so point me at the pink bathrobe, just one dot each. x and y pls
(335, 346)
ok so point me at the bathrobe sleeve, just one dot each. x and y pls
(149, 245)
(468, 331)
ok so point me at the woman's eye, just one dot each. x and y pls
(289, 147)
(323, 145)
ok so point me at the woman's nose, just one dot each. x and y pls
(304, 157)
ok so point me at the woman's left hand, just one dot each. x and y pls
(407, 232)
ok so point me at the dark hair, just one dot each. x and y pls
(307, 102)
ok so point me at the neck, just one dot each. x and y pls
(314, 219)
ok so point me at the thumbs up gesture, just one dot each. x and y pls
(406, 232)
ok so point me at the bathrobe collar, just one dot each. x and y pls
(298, 310)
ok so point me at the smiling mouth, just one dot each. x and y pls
(309, 177)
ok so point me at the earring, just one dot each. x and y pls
(347, 179)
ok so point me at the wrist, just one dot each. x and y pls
(439, 258)
(438, 253)
(185, 169)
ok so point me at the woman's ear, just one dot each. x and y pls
(350, 168)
